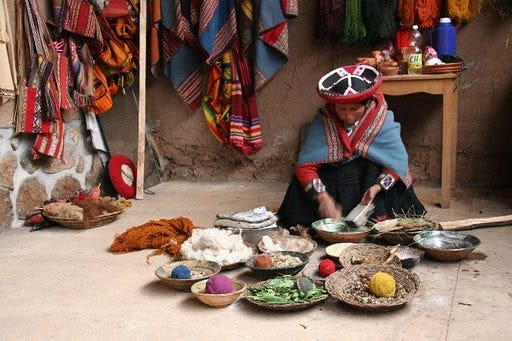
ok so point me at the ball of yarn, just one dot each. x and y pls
(263, 261)
(219, 284)
(326, 267)
(180, 272)
(382, 284)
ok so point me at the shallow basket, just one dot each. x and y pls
(200, 270)
(350, 285)
(368, 253)
(101, 220)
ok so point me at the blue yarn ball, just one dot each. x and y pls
(180, 272)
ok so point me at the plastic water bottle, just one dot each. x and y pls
(415, 56)
(444, 39)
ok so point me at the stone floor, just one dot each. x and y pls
(63, 284)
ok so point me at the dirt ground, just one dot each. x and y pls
(64, 284)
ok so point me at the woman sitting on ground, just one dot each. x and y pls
(352, 153)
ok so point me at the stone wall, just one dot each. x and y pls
(26, 183)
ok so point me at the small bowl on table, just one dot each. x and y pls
(199, 270)
(446, 245)
(337, 231)
(277, 269)
(218, 300)
(389, 70)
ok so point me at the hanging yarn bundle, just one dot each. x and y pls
(354, 29)
(462, 11)
(428, 13)
(329, 21)
(406, 12)
(380, 20)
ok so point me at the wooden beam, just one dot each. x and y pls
(141, 144)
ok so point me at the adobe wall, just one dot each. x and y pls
(185, 149)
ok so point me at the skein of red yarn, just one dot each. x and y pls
(326, 267)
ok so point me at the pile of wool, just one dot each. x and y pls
(220, 246)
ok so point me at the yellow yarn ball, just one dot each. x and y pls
(382, 284)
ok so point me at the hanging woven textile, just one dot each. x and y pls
(354, 29)
(245, 129)
(406, 12)
(217, 28)
(380, 20)
(329, 19)
(462, 11)
(8, 77)
(39, 106)
(217, 99)
(182, 54)
(428, 13)
(271, 44)
(229, 103)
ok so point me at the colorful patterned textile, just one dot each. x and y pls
(271, 45)
(376, 138)
(217, 100)
(222, 34)
(39, 105)
(181, 53)
(77, 16)
(245, 129)
(217, 27)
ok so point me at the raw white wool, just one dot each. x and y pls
(221, 246)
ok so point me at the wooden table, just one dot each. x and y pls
(435, 84)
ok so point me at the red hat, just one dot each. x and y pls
(349, 84)
(123, 175)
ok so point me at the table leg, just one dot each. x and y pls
(449, 144)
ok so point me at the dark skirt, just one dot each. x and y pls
(346, 184)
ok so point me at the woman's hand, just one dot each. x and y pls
(370, 194)
(327, 207)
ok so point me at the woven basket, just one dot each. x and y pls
(81, 224)
(367, 253)
(350, 285)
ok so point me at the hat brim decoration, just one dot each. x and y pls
(123, 175)
(349, 84)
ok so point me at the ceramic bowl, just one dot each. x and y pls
(336, 231)
(279, 270)
(389, 70)
(446, 245)
(409, 256)
(218, 300)
(199, 270)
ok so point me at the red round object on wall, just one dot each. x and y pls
(123, 175)
(326, 267)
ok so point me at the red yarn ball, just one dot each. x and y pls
(326, 267)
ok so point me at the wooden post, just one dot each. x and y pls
(141, 144)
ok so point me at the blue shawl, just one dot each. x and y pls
(376, 137)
